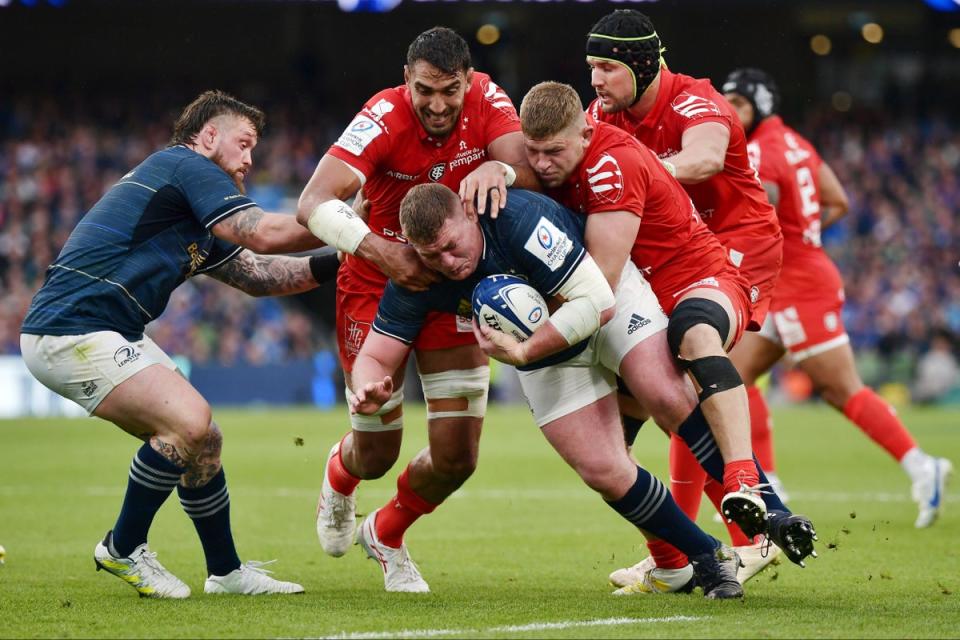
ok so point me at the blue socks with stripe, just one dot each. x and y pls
(151, 480)
(209, 508)
(649, 506)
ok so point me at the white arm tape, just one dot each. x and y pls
(587, 295)
(338, 225)
(510, 174)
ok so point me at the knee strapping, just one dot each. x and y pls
(691, 312)
(714, 374)
(388, 418)
(456, 394)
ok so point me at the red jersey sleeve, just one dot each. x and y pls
(366, 141)
(616, 179)
(499, 116)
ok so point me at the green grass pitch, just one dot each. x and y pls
(522, 551)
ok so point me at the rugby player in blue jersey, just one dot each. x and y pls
(567, 367)
(180, 213)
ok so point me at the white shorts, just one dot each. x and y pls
(559, 390)
(85, 368)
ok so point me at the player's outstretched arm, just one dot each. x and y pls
(268, 275)
(323, 211)
(703, 152)
(834, 203)
(372, 382)
(266, 233)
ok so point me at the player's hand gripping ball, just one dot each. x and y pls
(508, 304)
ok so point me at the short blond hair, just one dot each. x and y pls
(548, 109)
(424, 210)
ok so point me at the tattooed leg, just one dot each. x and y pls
(200, 461)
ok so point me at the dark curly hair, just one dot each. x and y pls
(441, 47)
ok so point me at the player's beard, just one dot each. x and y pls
(616, 105)
(236, 176)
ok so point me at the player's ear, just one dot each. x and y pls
(406, 74)
(587, 135)
(469, 77)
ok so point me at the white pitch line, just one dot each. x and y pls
(512, 628)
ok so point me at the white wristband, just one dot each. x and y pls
(338, 225)
(509, 173)
(670, 167)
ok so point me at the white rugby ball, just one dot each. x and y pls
(508, 304)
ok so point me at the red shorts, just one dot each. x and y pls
(759, 262)
(731, 285)
(807, 327)
(357, 302)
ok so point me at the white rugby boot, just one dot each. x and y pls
(629, 575)
(755, 558)
(141, 570)
(250, 579)
(336, 515)
(928, 490)
(400, 574)
(653, 580)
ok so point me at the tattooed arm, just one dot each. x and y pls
(267, 233)
(266, 275)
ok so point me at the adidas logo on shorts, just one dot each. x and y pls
(636, 322)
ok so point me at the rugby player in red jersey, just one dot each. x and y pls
(805, 317)
(445, 122)
(636, 210)
(699, 139)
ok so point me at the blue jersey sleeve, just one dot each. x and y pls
(210, 192)
(401, 313)
(220, 253)
(544, 240)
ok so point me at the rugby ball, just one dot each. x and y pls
(508, 304)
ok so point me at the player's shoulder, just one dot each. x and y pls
(486, 94)
(695, 98)
(613, 142)
(388, 109)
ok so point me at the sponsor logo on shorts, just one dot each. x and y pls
(754, 295)
(436, 171)
(636, 322)
(125, 355)
(353, 335)
(830, 321)
(89, 388)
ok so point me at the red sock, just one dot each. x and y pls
(686, 477)
(715, 492)
(760, 434)
(666, 555)
(879, 421)
(740, 472)
(338, 476)
(403, 509)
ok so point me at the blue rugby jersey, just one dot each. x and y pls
(142, 239)
(533, 237)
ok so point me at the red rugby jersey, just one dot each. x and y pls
(732, 203)
(388, 145)
(785, 158)
(674, 248)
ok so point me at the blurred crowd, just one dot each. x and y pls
(897, 249)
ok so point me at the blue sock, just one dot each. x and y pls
(649, 506)
(209, 508)
(151, 480)
(771, 499)
(695, 431)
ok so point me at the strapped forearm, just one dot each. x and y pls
(338, 225)
(587, 296)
